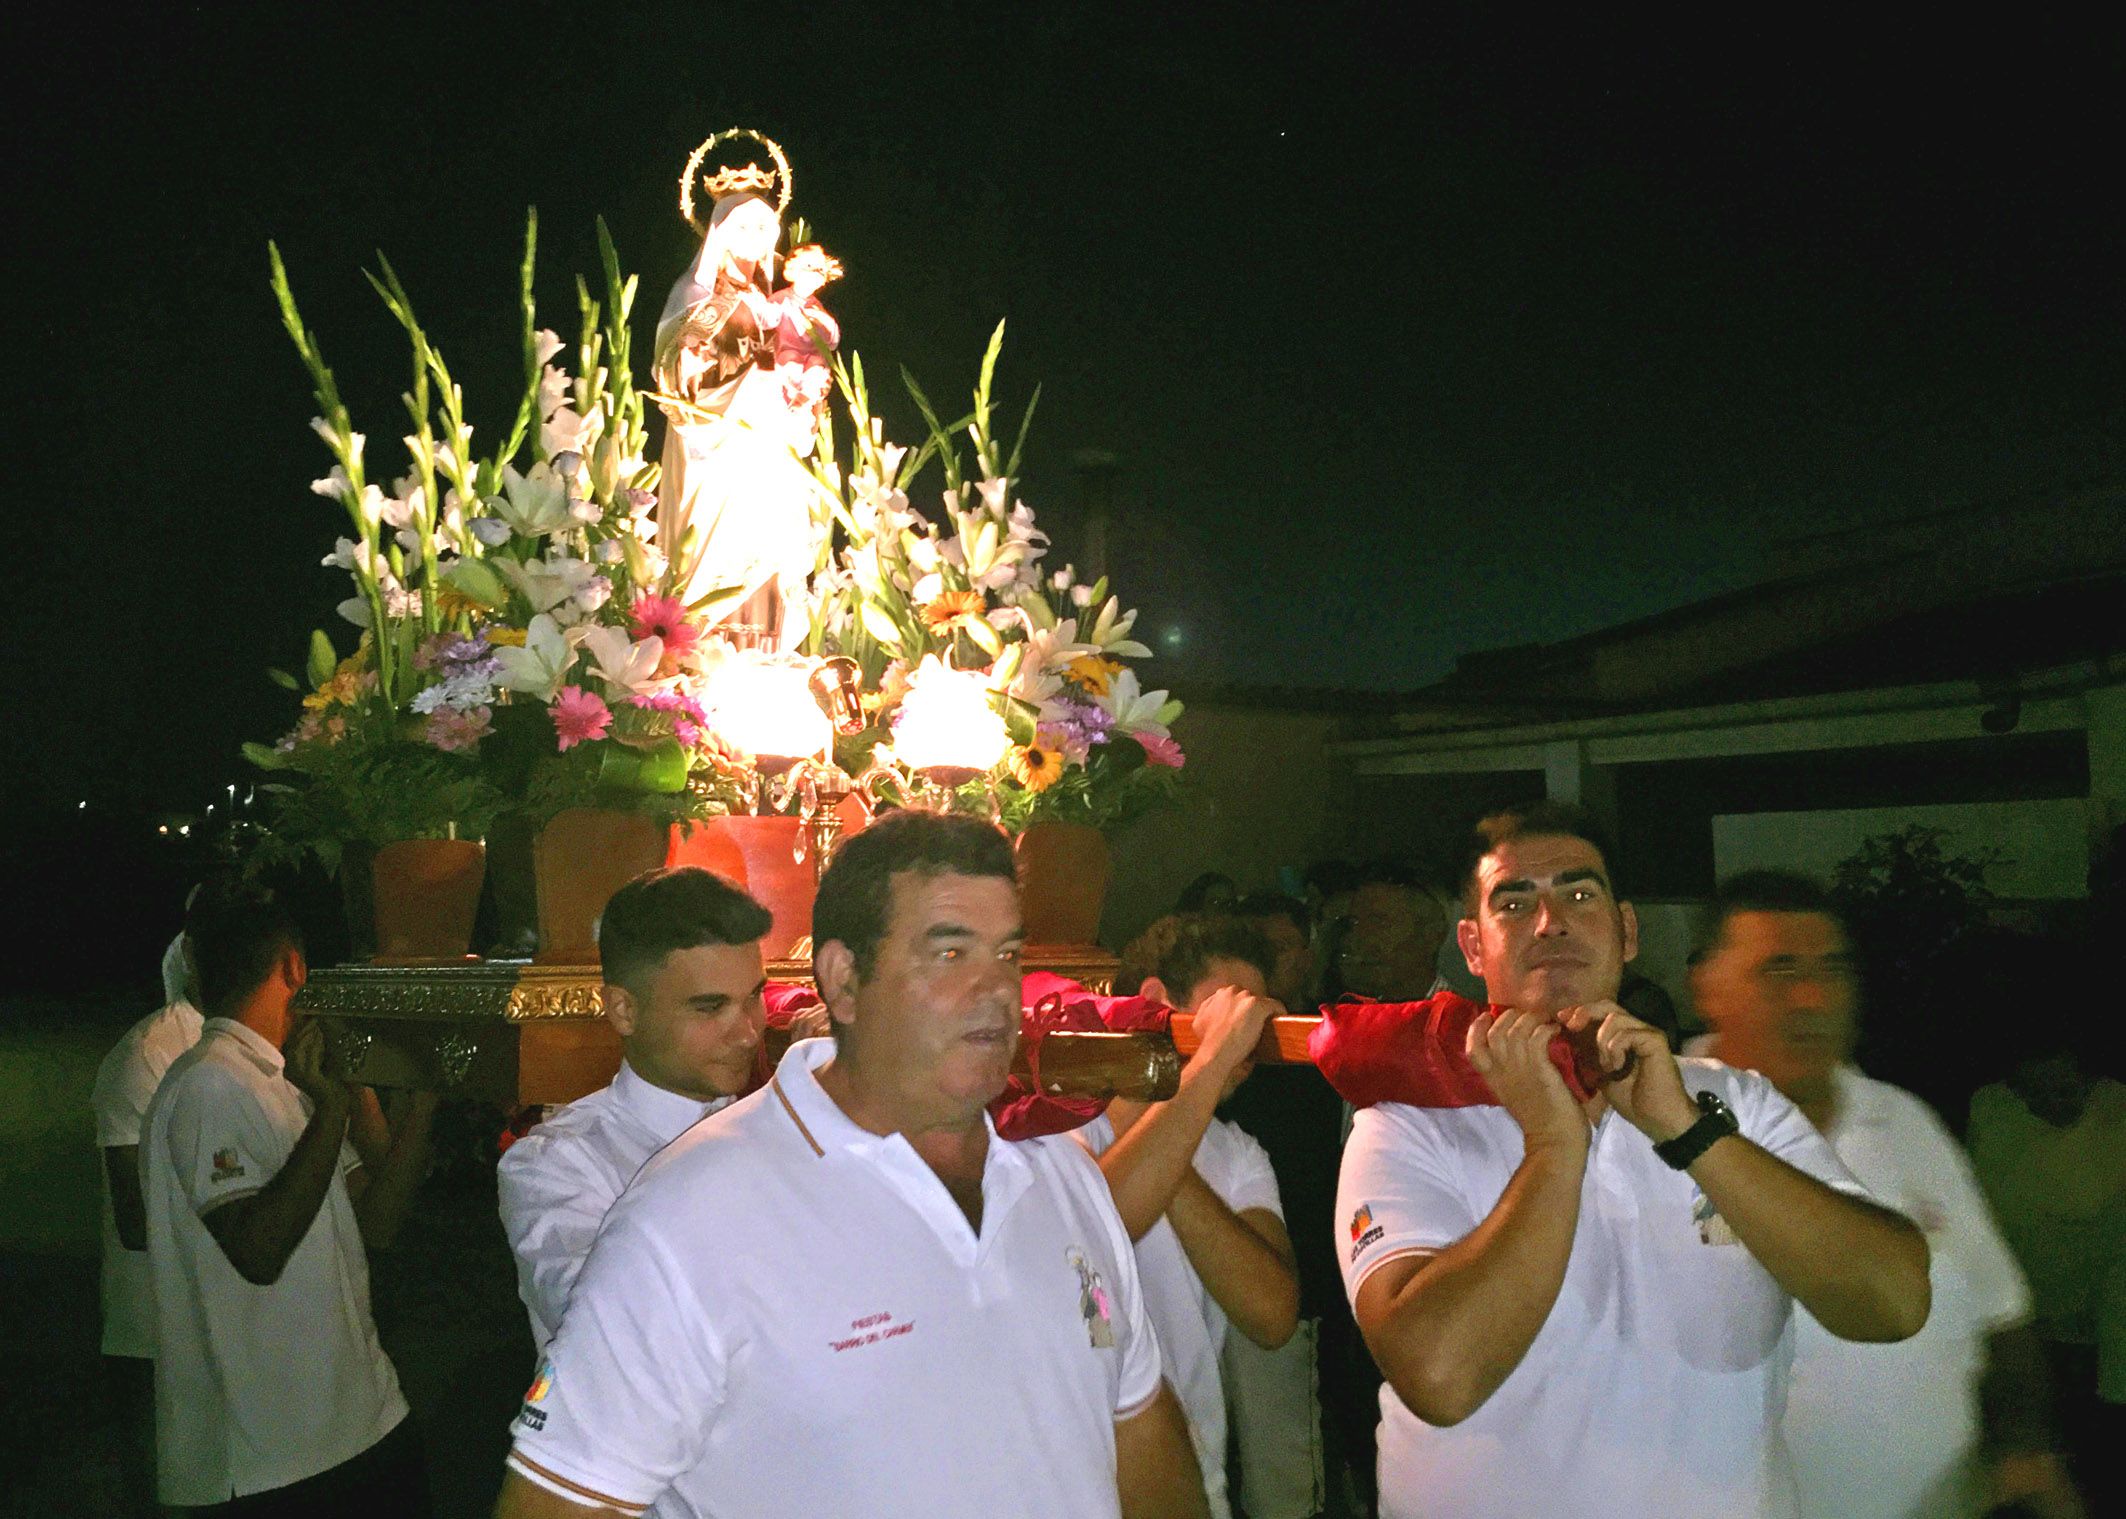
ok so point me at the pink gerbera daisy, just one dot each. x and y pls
(579, 715)
(664, 617)
(1159, 749)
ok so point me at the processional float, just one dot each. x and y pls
(797, 647)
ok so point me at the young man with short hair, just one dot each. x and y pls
(679, 954)
(1582, 1305)
(272, 1395)
(843, 1294)
(1882, 1431)
(1195, 1192)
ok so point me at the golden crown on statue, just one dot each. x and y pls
(735, 179)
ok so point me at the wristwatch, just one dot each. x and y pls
(1716, 1121)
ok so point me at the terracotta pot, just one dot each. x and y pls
(578, 861)
(779, 873)
(1063, 870)
(426, 893)
(709, 847)
(358, 899)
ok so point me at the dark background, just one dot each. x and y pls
(1414, 335)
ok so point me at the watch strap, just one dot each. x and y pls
(1715, 1122)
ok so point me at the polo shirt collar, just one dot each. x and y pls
(261, 1049)
(1006, 1173)
(665, 1113)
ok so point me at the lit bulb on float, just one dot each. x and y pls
(762, 705)
(948, 732)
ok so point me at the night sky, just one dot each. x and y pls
(1412, 338)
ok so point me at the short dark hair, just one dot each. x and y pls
(238, 930)
(1767, 891)
(856, 890)
(1543, 819)
(1180, 947)
(1257, 905)
(662, 911)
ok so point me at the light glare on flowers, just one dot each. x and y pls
(946, 721)
(763, 705)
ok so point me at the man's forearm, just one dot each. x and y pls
(129, 1214)
(382, 1206)
(1448, 1330)
(1145, 1164)
(1248, 1275)
(258, 1233)
(1859, 1268)
(1156, 1472)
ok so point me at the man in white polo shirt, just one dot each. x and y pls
(1195, 1192)
(679, 952)
(843, 1294)
(125, 1081)
(1585, 1307)
(272, 1395)
(1882, 1431)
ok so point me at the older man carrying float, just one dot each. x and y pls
(842, 1294)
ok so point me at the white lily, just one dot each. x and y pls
(540, 668)
(532, 504)
(629, 668)
(333, 487)
(1111, 631)
(546, 343)
(1136, 710)
(546, 583)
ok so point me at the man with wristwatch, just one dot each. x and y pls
(1585, 1306)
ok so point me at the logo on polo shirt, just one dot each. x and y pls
(531, 1416)
(1093, 1303)
(1363, 1230)
(228, 1165)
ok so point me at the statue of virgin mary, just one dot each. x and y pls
(734, 447)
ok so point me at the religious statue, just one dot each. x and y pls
(735, 366)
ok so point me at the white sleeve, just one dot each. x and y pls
(551, 1210)
(624, 1401)
(120, 1097)
(222, 1144)
(1773, 1123)
(1249, 1182)
(1398, 1191)
(2000, 1297)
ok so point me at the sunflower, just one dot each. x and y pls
(1036, 768)
(951, 609)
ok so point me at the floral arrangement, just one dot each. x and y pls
(522, 648)
(915, 600)
(519, 647)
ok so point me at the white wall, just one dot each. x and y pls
(2044, 845)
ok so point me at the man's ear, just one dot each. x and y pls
(1471, 940)
(834, 973)
(293, 969)
(620, 1009)
(1631, 931)
(1154, 990)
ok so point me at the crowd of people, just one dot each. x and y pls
(1539, 1244)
